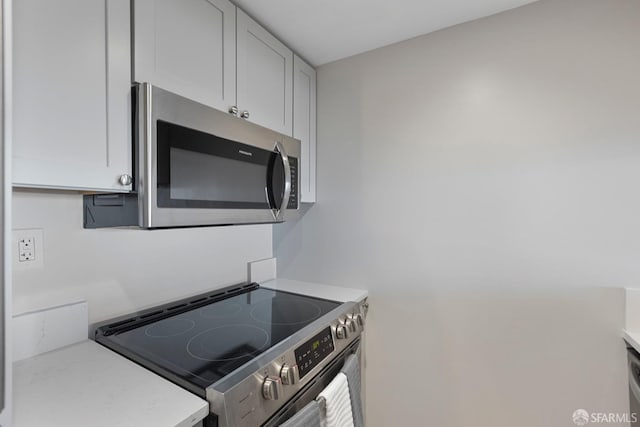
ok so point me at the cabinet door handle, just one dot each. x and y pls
(233, 110)
(244, 114)
(125, 179)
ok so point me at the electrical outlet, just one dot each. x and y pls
(26, 250)
(29, 244)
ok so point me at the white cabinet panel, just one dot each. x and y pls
(304, 125)
(187, 47)
(6, 246)
(72, 94)
(265, 70)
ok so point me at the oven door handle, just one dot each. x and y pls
(278, 212)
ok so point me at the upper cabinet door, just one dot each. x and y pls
(71, 94)
(265, 69)
(187, 47)
(304, 125)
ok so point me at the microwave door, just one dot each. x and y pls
(278, 188)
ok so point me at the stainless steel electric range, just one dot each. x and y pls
(257, 355)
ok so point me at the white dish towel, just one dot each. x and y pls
(338, 402)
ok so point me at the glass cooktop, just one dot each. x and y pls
(198, 346)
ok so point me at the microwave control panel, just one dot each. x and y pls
(293, 199)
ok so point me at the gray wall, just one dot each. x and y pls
(482, 183)
(120, 270)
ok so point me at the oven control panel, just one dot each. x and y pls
(314, 351)
(283, 372)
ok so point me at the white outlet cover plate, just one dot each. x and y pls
(38, 246)
(263, 270)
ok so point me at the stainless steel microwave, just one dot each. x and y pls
(197, 166)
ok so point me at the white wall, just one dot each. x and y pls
(482, 182)
(120, 270)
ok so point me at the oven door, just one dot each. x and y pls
(201, 166)
(314, 387)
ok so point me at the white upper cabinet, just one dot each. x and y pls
(304, 124)
(73, 69)
(71, 92)
(187, 47)
(265, 77)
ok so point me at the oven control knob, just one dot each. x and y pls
(341, 332)
(358, 320)
(350, 325)
(271, 388)
(289, 374)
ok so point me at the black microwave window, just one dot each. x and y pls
(201, 170)
(200, 176)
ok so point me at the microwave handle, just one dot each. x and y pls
(277, 213)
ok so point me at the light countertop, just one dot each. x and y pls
(633, 339)
(631, 332)
(86, 384)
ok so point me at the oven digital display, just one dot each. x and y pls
(314, 351)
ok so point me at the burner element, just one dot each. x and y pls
(229, 342)
(170, 327)
(285, 311)
(214, 312)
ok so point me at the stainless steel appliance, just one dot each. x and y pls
(257, 355)
(634, 386)
(198, 166)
